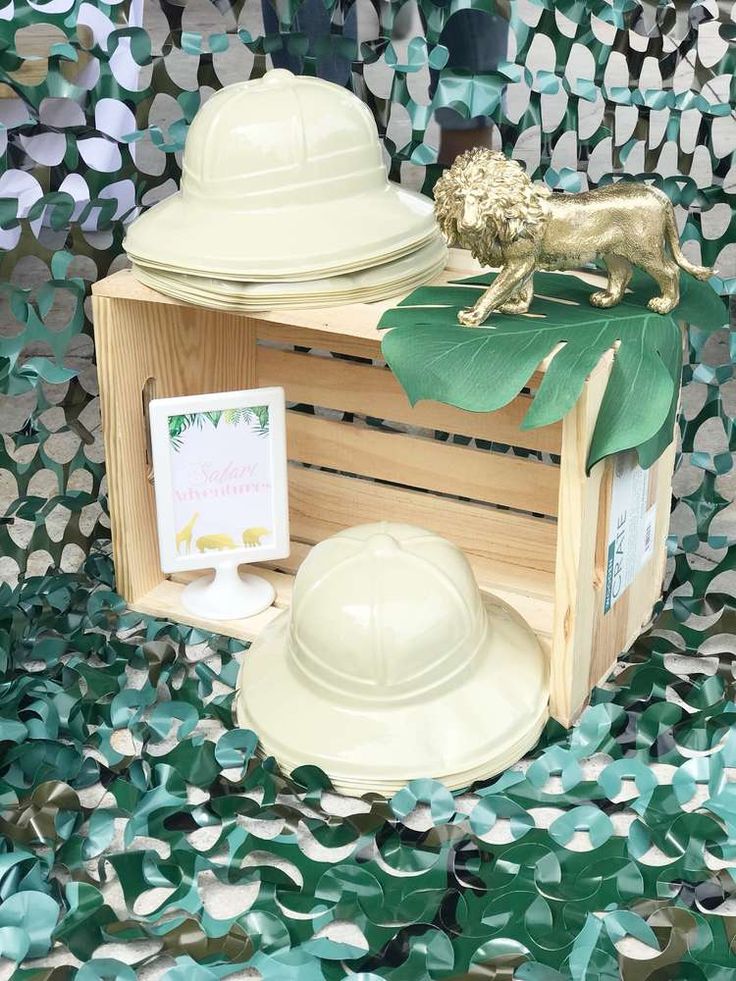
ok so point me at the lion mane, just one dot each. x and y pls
(510, 204)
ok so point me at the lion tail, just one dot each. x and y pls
(673, 240)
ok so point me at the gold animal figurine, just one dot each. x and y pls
(215, 543)
(184, 535)
(487, 204)
(253, 536)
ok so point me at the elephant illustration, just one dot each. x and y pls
(215, 543)
(253, 536)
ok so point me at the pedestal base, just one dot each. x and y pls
(228, 595)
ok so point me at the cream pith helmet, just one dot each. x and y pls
(391, 665)
(281, 176)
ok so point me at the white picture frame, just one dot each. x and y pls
(220, 479)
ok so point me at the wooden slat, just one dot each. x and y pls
(339, 342)
(344, 385)
(532, 582)
(322, 503)
(527, 485)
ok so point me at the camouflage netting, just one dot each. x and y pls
(592, 90)
(127, 808)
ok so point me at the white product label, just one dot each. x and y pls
(630, 527)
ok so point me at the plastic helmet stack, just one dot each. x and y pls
(392, 665)
(285, 202)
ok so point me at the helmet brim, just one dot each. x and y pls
(305, 242)
(393, 278)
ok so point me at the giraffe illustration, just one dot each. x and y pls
(184, 535)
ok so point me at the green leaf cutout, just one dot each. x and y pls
(482, 369)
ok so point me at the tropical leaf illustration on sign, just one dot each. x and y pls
(257, 415)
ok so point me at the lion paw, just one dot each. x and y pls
(514, 307)
(662, 304)
(470, 317)
(604, 299)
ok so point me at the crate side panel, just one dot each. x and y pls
(614, 632)
(575, 567)
(162, 350)
(122, 374)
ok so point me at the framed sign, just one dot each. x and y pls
(219, 464)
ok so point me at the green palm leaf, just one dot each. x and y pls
(257, 414)
(482, 369)
(261, 415)
(178, 424)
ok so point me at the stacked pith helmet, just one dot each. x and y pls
(283, 184)
(392, 665)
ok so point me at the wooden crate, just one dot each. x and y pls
(533, 528)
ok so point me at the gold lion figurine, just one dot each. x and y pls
(487, 204)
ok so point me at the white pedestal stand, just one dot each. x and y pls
(228, 594)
